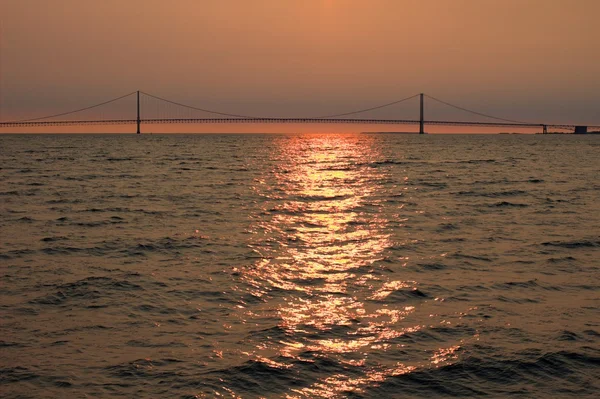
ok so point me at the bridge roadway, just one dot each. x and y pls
(285, 121)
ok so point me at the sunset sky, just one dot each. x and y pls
(531, 60)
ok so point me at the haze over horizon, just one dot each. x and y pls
(524, 60)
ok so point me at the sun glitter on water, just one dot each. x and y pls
(319, 237)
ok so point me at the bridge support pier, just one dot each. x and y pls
(139, 121)
(421, 118)
(545, 129)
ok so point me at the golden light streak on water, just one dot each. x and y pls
(320, 247)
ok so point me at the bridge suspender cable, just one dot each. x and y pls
(366, 109)
(260, 117)
(474, 112)
(200, 109)
(73, 112)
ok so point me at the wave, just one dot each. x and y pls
(506, 204)
(85, 291)
(493, 194)
(434, 266)
(525, 374)
(573, 244)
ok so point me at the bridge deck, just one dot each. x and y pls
(280, 120)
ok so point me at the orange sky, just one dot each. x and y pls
(533, 60)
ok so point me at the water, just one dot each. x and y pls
(299, 266)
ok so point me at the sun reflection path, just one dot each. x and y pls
(319, 237)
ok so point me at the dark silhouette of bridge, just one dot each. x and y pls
(164, 111)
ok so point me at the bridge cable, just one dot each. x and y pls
(73, 112)
(366, 109)
(201, 109)
(474, 112)
(258, 117)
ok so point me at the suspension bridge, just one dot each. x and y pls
(139, 108)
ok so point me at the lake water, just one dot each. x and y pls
(299, 266)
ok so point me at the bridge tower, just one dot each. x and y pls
(139, 121)
(421, 118)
